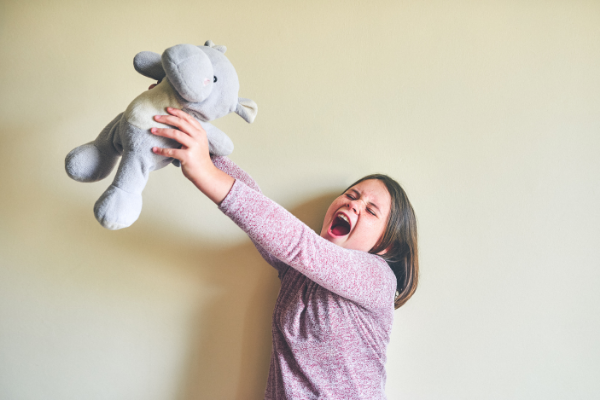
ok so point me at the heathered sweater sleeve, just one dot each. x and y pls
(233, 170)
(356, 275)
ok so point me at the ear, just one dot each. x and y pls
(382, 252)
(246, 109)
(149, 64)
(222, 49)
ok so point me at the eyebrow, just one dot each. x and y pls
(370, 202)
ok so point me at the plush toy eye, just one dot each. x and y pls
(214, 78)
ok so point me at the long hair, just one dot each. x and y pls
(399, 239)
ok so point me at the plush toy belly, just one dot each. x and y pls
(141, 111)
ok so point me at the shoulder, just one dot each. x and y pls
(372, 277)
(387, 276)
(376, 264)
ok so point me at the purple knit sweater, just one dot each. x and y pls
(334, 312)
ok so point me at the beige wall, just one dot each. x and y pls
(487, 112)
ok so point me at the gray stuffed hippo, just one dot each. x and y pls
(197, 79)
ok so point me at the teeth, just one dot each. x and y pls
(342, 216)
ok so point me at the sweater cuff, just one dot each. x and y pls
(229, 201)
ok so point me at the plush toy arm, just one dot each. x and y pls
(219, 143)
(149, 64)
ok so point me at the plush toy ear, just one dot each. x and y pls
(148, 64)
(246, 109)
(220, 48)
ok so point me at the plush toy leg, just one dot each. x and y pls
(219, 143)
(120, 205)
(93, 161)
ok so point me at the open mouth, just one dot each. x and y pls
(340, 225)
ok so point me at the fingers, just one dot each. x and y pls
(178, 123)
(186, 130)
(154, 84)
(185, 116)
(173, 153)
(181, 120)
(174, 134)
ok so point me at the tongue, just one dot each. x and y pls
(340, 227)
(340, 230)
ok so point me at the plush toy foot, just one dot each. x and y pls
(87, 163)
(117, 209)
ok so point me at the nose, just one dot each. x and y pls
(355, 206)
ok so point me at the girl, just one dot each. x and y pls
(334, 312)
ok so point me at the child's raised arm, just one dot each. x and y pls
(214, 177)
(193, 154)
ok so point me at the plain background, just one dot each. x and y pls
(487, 112)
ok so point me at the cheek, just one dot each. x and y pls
(369, 232)
(334, 206)
(374, 230)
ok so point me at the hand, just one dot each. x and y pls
(194, 156)
(154, 85)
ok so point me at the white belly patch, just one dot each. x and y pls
(142, 109)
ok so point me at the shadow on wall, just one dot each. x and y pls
(232, 269)
(229, 339)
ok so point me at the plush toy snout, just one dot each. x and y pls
(190, 71)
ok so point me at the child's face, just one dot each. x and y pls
(357, 219)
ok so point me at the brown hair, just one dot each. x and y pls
(400, 240)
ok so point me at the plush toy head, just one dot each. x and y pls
(198, 79)
(202, 76)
